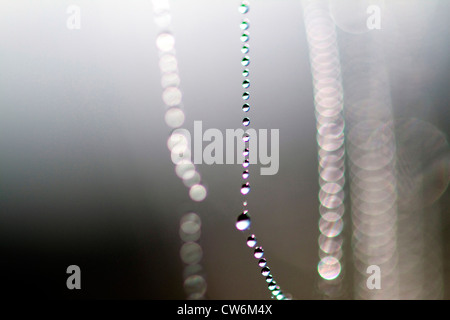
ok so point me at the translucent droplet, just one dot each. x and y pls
(246, 107)
(265, 271)
(258, 253)
(243, 222)
(276, 291)
(262, 263)
(245, 37)
(245, 73)
(246, 137)
(245, 188)
(251, 241)
(280, 296)
(245, 61)
(243, 8)
(272, 285)
(246, 152)
(245, 25)
(244, 203)
(245, 84)
(269, 279)
(246, 121)
(246, 163)
(245, 174)
(245, 49)
(245, 95)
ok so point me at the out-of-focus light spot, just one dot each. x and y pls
(168, 63)
(331, 228)
(177, 138)
(161, 6)
(331, 187)
(191, 253)
(331, 174)
(179, 153)
(190, 223)
(174, 117)
(330, 245)
(195, 286)
(165, 42)
(329, 268)
(163, 21)
(183, 167)
(172, 96)
(170, 80)
(197, 192)
(189, 181)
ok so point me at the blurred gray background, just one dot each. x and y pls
(85, 173)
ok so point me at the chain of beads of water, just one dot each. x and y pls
(243, 220)
(191, 252)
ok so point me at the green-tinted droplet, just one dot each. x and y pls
(243, 8)
(245, 25)
(245, 37)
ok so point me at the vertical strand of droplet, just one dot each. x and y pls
(179, 145)
(243, 221)
(328, 100)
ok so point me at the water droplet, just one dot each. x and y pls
(245, 61)
(245, 84)
(245, 25)
(276, 291)
(258, 253)
(272, 285)
(245, 37)
(269, 279)
(246, 163)
(265, 271)
(251, 241)
(245, 188)
(243, 222)
(244, 203)
(245, 49)
(246, 107)
(246, 121)
(246, 151)
(243, 8)
(245, 95)
(245, 73)
(245, 174)
(246, 137)
(262, 262)
(280, 296)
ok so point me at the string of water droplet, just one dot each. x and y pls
(330, 122)
(243, 220)
(190, 223)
